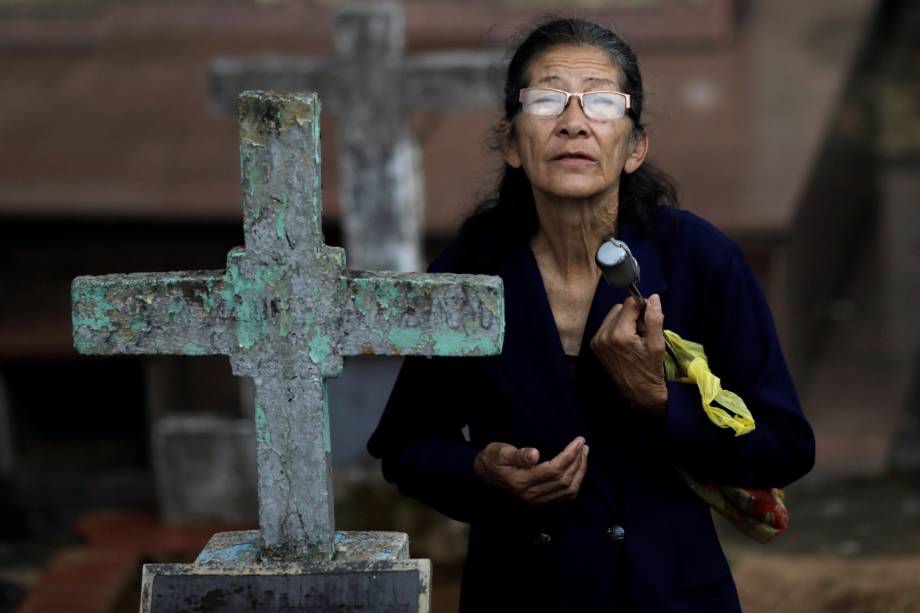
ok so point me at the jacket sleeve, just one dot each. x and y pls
(741, 344)
(420, 442)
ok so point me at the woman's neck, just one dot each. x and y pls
(570, 231)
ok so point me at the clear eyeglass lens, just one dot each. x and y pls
(543, 102)
(604, 105)
(597, 105)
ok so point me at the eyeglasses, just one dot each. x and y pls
(544, 102)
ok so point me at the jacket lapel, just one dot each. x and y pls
(532, 359)
(594, 383)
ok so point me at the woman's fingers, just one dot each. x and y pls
(525, 457)
(627, 323)
(654, 323)
(611, 317)
(502, 465)
(512, 468)
(568, 455)
(553, 469)
(582, 471)
(620, 326)
(654, 316)
(562, 481)
(567, 486)
(571, 480)
(603, 338)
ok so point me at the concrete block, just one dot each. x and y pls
(205, 470)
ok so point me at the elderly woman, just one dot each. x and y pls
(554, 528)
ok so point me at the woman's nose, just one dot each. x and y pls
(572, 121)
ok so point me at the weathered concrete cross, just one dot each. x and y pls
(373, 87)
(286, 310)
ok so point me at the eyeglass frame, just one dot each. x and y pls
(581, 101)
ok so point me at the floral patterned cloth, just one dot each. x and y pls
(760, 514)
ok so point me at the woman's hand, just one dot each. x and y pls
(632, 351)
(517, 471)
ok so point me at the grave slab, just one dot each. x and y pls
(371, 571)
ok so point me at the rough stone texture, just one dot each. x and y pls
(374, 87)
(286, 310)
(370, 571)
(171, 313)
(418, 313)
(234, 548)
(205, 469)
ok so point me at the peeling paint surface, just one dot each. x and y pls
(263, 434)
(244, 547)
(151, 313)
(420, 314)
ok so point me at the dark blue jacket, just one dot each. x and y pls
(566, 556)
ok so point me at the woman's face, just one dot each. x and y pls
(571, 156)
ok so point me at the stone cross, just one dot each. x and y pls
(286, 310)
(373, 87)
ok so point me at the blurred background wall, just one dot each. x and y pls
(794, 127)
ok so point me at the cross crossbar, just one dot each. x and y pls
(181, 313)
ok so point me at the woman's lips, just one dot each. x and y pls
(574, 158)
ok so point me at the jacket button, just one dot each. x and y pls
(616, 534)
(543, 539)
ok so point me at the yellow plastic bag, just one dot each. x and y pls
(685, 361)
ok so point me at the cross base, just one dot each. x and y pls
(371, 571)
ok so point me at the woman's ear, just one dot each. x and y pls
(638, 149)
(508, 144)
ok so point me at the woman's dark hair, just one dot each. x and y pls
(500, 222)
